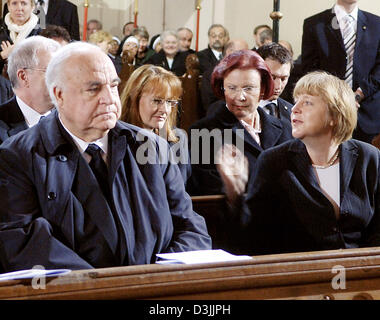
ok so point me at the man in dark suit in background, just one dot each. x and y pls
(79, 184)
(280, 63)
(345, 41)
(209, 57)
(31, 100)
(60, 13)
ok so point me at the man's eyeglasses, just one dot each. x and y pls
(36, 69)
(157, 102)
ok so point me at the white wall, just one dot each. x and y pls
(239, 16)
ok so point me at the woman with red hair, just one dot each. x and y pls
(240, 80)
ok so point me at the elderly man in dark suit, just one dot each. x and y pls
(345, 41)
(81, 190)
(60, 13)
(26, 68)
(209, 57)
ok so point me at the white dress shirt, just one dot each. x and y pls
(263, 103)
(253, 129)
(82, 145)
(340, 13)
(217, 54)
(45, 5)
(32, 117)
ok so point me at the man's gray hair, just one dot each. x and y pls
(25, 55)
(55, 73)
(217, 25)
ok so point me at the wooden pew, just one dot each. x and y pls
(376, 141)
(126, 70)
(190, 110)
(307, 275)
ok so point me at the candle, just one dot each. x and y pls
(136, 6)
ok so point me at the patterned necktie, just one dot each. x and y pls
(99, 168)
(349, 39)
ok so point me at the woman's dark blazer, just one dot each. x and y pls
(205, 179)
(178, 67)
(288, 212)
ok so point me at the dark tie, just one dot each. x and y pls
(99, 168)
(41, 2)
(272, 108)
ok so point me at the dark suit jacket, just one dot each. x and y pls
(207, 60)
(6, 91)
(207, 95)
(288, 211)
(54, 214)
(323, 49)
(284, 109)
(178, 67)
(61, 13)
(205, 178)
(12, 120)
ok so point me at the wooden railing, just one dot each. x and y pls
(307, 275)
(337, 274)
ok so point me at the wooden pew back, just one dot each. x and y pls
(309, 275)
(191, 109)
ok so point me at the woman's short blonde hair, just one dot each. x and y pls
(338, 96)
(100, 36)
(150, 79)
